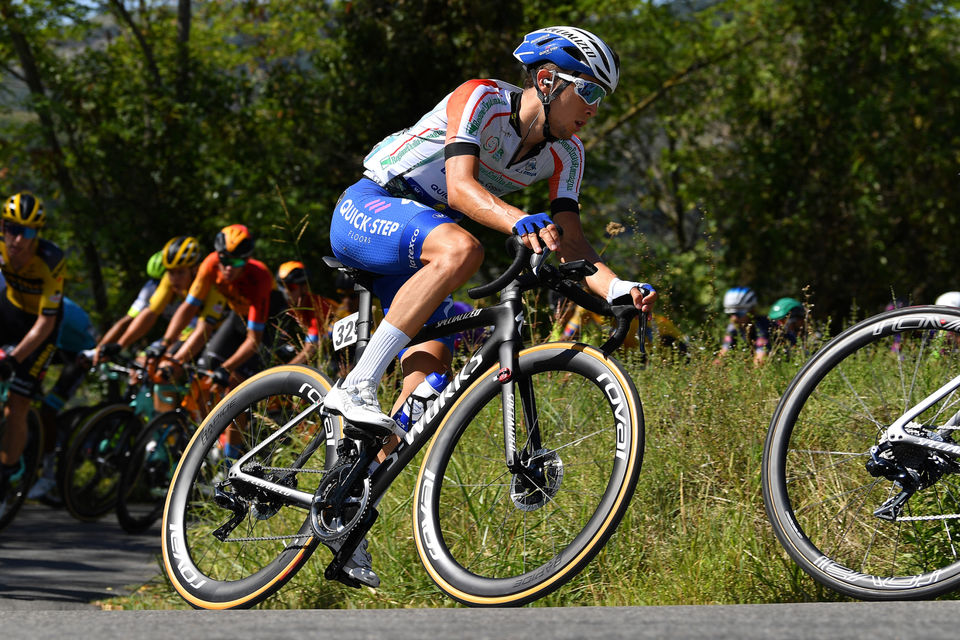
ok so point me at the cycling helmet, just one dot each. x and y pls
(571, 49)
(155, 266)
(739, 300)
(26, 209)
(182, 251)
(949, 299)
(292, 272)
(786, 307)
(235, 241)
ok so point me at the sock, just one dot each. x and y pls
(387, 341)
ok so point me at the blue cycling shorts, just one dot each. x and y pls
(377, 232)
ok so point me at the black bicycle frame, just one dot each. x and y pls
(502, 346)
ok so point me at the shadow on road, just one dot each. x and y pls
(49, 560)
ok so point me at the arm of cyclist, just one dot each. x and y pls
(466, 195)
(42, 328)
(605, 283)
(244, 352)
(186, 312)
(138, 328)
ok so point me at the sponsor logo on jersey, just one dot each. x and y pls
(366, 223)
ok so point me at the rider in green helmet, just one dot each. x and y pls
(155, 266)
(788, 317)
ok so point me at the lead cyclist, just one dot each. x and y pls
(485, 139)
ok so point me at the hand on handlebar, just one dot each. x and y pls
(643, 294)
(535, 227)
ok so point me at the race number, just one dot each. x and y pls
(345, 331)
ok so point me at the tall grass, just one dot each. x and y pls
(696, 532)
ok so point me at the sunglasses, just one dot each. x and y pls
(227, 261)
(15, 230)
(590, 92)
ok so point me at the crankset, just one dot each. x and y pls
(341, 499)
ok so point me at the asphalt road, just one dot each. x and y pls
(49, 560)
(860, 621)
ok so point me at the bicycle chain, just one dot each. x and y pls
(268, 538)
(946, 516)
(286, 537)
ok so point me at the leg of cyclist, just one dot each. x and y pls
(448, 256)
(426, 256)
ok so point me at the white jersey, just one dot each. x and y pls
(483, 113)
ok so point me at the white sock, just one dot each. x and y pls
(385, 343)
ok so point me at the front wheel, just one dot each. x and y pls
(228, 545)
(833, 481)
(491, 537)
(146, 475)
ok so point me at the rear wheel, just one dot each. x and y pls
(227, 544)
(833, 481)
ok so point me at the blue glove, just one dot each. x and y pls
(531, 223)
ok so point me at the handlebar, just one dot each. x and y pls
(564, 280)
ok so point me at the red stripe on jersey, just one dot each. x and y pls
(458, 101)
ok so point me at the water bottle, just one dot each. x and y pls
(413, 407)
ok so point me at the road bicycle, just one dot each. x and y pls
(861, 461)
(153, 457)
(99, 449)
(532, 457)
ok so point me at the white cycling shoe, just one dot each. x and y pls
(43, 488)
(359, 406)
(360, 566)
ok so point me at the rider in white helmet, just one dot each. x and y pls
(739, 304)
(482, 141)
(948, 299)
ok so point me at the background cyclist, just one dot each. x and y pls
(30, 314)
(249, 289)
(739, 304)
(178, 264)
(311, 311)
(482, 141)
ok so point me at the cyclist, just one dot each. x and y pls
(485, 139)
(739, 303)
(30, 315)
(75, 341)
(255, 303)
(311, 311)
(178, 264)
(788, 319)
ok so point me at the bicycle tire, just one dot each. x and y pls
(68, 423)
(95, 459)
(17, 492)
(818, 493)
(211, 574)
(146, 475)
(484, 545)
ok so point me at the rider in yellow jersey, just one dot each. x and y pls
(30, 314)
(179, 260)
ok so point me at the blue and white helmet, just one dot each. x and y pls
(571, 49)
(739, 300)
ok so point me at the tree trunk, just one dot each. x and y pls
(183, 49)
(75, 203)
